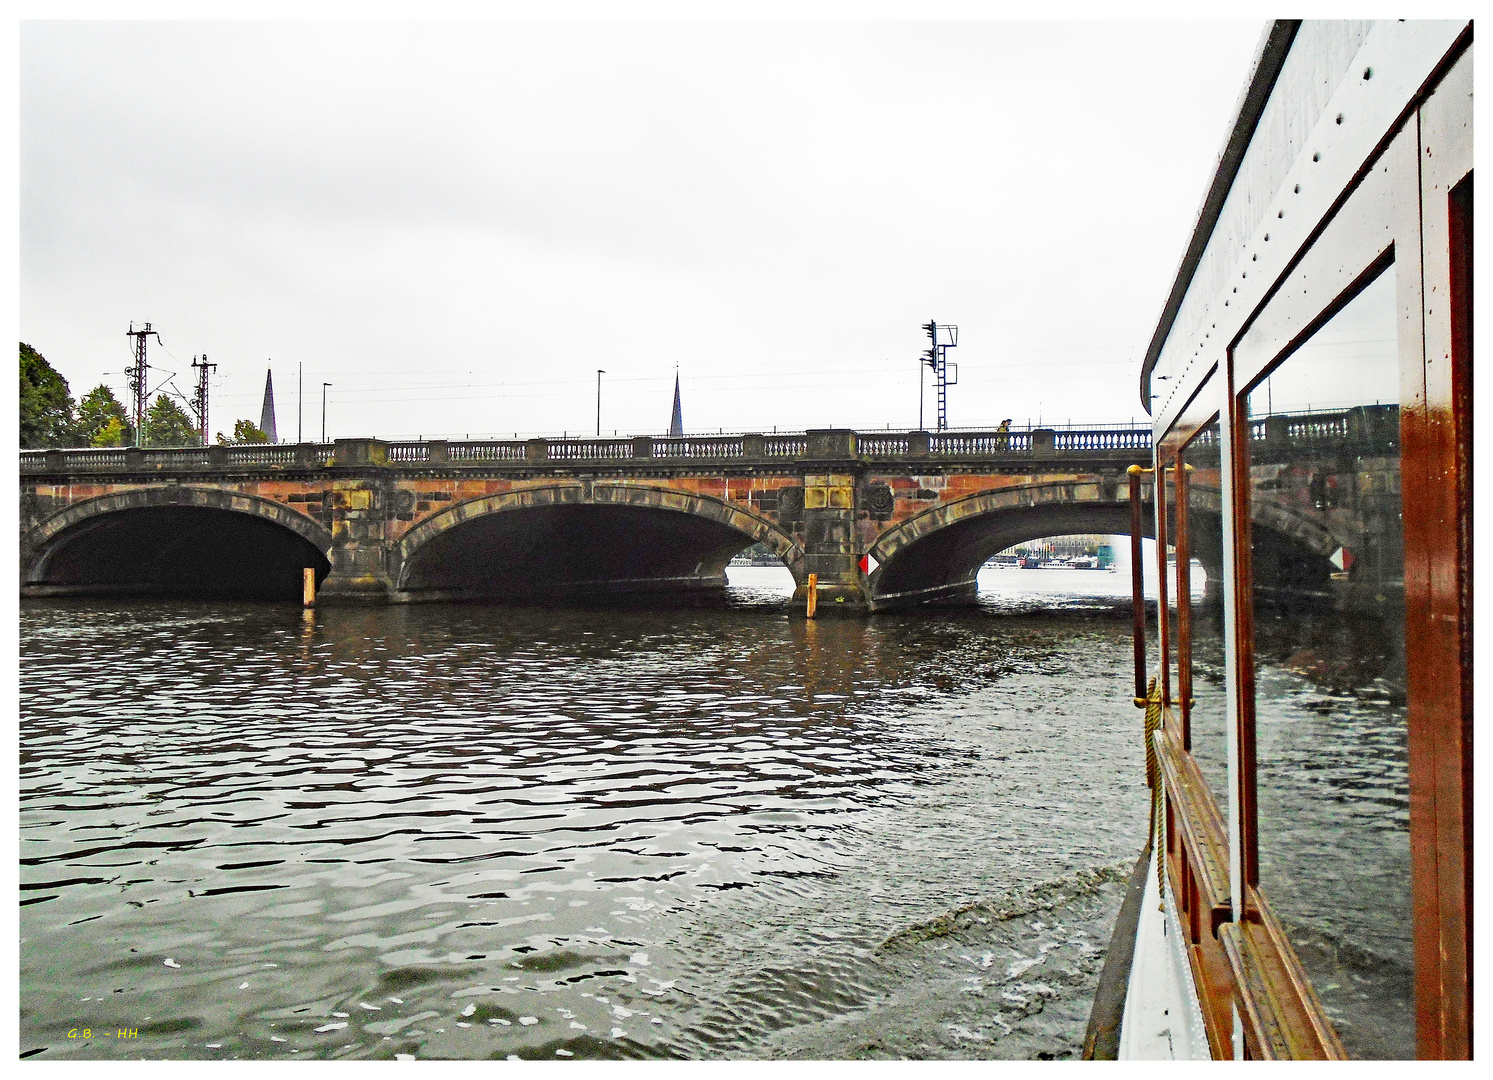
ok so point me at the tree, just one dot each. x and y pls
(244, 432)
(46, 403)
(167, 424)
(102, 420)
(113, 433)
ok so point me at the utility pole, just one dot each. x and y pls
(324, 411)
(921, 361)
(199, 404)
(936, 356)
(139, 388)
(599, 374)
(300, 399)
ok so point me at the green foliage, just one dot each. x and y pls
(244, 432)
(46, 403)
(114, 433)
(102, 420)
(167, 424)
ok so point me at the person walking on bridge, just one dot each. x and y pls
(1003, 435)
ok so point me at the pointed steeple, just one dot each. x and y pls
(676, 422)
(267, 414)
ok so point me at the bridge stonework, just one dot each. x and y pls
(409, 521)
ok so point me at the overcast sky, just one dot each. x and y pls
(456, 224)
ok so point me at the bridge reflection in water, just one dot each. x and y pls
(579, 519)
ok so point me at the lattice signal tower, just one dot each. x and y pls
(941, 337)
(199, 399)
(139, 388)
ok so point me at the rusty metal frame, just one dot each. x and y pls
(1184, 603)
(1436, 492)
(1137, 584)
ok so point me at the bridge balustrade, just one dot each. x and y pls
(1318, 430)
(1105, 439)
(1368, 429)
(878, 445)
(882, 445)
(726, 447)
(983, 442)
(789, 446)
(592, 450)
(91, 459)
(409, 452)
(484, 452)
(176, 458)
(259, 454)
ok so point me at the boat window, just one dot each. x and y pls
(1329, 705)
(1207, 720)
(1167, 596)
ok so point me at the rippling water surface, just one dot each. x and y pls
(471, 832)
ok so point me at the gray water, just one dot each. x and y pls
(469, 832)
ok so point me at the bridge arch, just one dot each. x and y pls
(938, 553)
(175, 540)
(587, 536)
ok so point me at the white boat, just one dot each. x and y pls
(1306, 891)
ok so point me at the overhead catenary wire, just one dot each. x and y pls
(706, 382)
(485, 385)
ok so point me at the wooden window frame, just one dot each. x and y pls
(1196, 830)
(1437, 428)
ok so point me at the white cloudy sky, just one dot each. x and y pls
(457, 223)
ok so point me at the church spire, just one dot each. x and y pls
(267, 414)
(676, 422)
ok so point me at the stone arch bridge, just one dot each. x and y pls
(410, 521)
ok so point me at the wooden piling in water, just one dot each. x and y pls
(308, 587)
(813, 594)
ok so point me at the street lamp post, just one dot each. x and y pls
(599, 373)
(324, 411)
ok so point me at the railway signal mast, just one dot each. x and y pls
(199, 400)
(941, 338)
(139, 388)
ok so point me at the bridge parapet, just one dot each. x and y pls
(832, 443)
(1369, 431)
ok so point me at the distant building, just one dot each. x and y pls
(676, 422)
(1063, 547)
(267, 414)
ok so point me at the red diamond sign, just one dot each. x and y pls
(868, 564)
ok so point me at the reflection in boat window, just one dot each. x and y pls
(1329, 695)
(1208, 713)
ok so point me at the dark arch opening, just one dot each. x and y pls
(573, 552)
(943, 564)
(177, 551)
